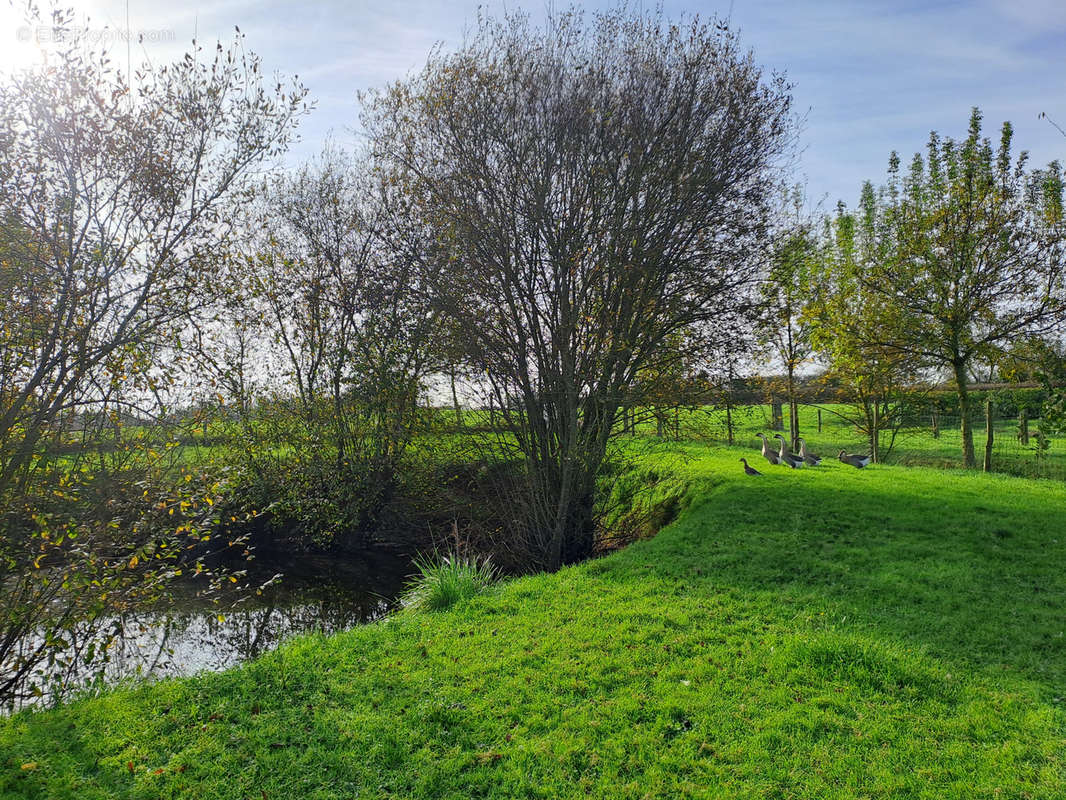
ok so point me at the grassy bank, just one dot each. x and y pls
(829, 633)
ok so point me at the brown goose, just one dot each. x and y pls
(749, 470)
(786, 456)
(856, 461)
(767, 453)
(807, 456)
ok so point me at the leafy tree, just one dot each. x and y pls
(595, 189)
(875, 383)
(113, 199)
(1034, 359)
(969, 256)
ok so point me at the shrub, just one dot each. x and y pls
(442, 582)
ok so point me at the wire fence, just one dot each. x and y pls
(923, 437)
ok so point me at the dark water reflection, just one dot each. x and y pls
(193, 633)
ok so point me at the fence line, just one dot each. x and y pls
(926, 436)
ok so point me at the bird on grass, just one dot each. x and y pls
(807, 456)
(855, 460)
(786, 456)
(767, 453)
(748, 470)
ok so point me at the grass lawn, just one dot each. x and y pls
(827, 633)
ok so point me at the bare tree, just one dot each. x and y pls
(596, 188)
(347, 338)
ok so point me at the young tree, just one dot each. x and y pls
(875, 382)
(970, 256)
(595, 189)
(349, 340)
(785, 327)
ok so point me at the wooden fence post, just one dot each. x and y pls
(794, 423)
(1023, 426)
(875, 434)
(819, 420)
(935, 417)
(989, 436)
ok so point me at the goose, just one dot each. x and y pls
(809, 457)
(749, 470)
(856, 461)
(767, 453)
(786, 456)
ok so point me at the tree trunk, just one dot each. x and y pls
(794, 423)
(777, 416)
(969, 460)
(455, 401)
(1023, 427)
(875, 432)
(729, 421)
(819, 420)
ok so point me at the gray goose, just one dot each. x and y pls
(809, 457)
(786, 456)
(748, 470)
(767, 453)
(856, 461)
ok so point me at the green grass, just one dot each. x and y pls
(827, 633)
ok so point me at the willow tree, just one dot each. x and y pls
(970, 253)
(597, 185)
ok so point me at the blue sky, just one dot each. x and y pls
(870, 75)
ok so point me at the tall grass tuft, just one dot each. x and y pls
(443, 581)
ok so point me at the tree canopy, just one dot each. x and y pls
(596, 187)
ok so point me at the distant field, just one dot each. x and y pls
(829, 633)
(915, 445)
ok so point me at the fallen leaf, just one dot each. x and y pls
(30, 766)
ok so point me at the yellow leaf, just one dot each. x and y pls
(134, 561)
(30, 765)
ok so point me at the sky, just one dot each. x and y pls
(869, 76)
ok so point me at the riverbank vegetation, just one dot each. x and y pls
(889, 632)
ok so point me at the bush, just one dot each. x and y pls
(443, 582)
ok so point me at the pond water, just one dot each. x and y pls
(193, 634)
